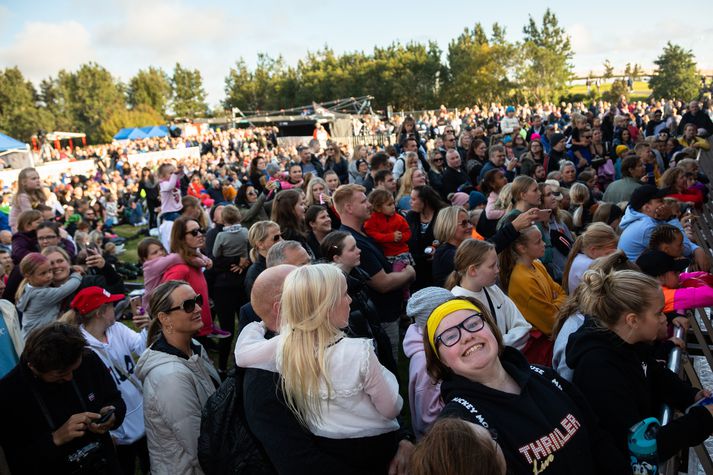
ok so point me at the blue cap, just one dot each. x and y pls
(509, 109)
(476, 198)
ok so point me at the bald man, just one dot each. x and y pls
(265, 296)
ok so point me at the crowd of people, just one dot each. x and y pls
(530, 263)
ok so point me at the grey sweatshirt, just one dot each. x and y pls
(41, 305)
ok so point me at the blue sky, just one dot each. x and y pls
(42, 37)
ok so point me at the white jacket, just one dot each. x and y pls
(175, 391)
(12, 322)
(117, 356)
(508, 124)
(514, 327)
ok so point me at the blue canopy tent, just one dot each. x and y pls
(158, 131)
(8, 143)
(123, 133)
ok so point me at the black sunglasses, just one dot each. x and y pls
(276, 237)
(195, 232)
(188, 305)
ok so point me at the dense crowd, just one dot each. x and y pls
(530, 262)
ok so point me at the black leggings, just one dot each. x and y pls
(228, 301)
(127, 455)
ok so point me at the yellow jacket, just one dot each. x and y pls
(536, 295)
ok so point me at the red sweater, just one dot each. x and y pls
(195, 278)
(381, 229)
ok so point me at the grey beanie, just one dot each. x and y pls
(425, 301)
(272, 168)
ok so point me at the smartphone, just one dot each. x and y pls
(135, 305)
(321, 198)
(105, 418)
(543, 214)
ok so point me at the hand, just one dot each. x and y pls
(701, 394)
(400, 463)
(397, 236)
(102, 428)
(701, 260)
(525, 220)
(678, 342)
(96, 260)
(75, 427)
(78, 269)
(681, 322)
(644, 179)
(411, 271)
(208, 263)
(63, 234)
(141, 321)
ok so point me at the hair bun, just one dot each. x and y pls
(595, 280)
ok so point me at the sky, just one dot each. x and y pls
(42, 37)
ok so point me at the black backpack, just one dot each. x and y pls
(225, 444)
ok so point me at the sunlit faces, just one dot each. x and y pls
(47, 237)
(534, 246)
(486, 274)
(359, 206)
(531, 196)
(322, 223)
(418, 178)
(195, 236)
(340, 315)
(645, 326)
(463, 228)
(42, 276)
(59, 267)
(416, 202)
(155, 251)
(178, 320)
(300, 208)
(351, 254)
(474, 351)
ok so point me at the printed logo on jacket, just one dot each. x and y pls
(541, 452)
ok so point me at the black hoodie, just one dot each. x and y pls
(624, 384)
(547, 428)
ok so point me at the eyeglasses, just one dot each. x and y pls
(189, 305)
(196, 232)
(437, 160)
(276, 237)
(46, 238)
(452, 335)
(464, 224)
(251, 193)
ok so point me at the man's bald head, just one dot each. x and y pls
(266, 293)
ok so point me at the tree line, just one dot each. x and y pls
(477, 67)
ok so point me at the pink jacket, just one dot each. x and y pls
(424, 396)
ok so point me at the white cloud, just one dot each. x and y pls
(41, 49)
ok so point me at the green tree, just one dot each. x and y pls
(140, 116)
(94, 95)
(544, 68)
(188, 93)
(627, 70)
(636, 72)
(477, 68)
(618, 88)
(20, 117)
(151, 87)
(675, 75)
(608, 70)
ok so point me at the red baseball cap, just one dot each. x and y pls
(91, 298)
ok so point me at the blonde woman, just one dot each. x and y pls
(411, 178)
(334, 385)
(597, 241)
(262, 236)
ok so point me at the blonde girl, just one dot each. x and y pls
(598, 240)
(335, 386)
(28, 196)
(38, 302)
(475, 272)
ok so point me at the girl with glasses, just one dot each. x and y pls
(178, 377)
(537, 420)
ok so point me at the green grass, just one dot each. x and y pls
(641, 89)
(127, 231)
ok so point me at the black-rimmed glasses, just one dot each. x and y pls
(189, 305)
(452, 335)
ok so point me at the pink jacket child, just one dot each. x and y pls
(154, 270)
(424, 394)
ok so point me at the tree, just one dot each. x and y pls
(20, 117)
(140, 116)
(477, 68)
(188, 93)
(545, 68)
(675, 75)
(608, 70)
(627, 70)
(618, 88)
(151, 87)
(636, 72)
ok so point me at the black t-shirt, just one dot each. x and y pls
(388, 305)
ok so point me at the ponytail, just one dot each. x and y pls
(154, 331)
(471, 252)
(71, 317)
(508, 257)
(576, 249)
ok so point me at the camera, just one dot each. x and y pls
(88, 459)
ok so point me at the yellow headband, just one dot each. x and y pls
(441, 312)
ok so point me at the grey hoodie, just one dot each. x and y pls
(175, 391)
(40, 306)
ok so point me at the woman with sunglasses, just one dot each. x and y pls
(336, 162)
(538, 420)
(251, 203)
(452, 228)
(178, 378)
(187, 238)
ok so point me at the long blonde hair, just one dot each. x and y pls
(309, 198)
(309, 297)
(596, 235)
(37, 197)
(471, 252)
(406, 183)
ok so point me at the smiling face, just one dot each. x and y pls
(59, 267)
(295, 174)
(463, 228)
(322, 222)
(180, 321)
(351, 254)
(474, 353)
(418, 178)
